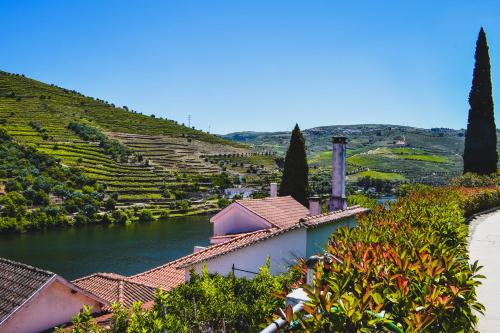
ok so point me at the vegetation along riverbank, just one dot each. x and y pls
(408, 262)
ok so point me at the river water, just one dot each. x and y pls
(126, 250)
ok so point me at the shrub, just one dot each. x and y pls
(207, 303)
(362, 200)
(223, 202)
(473, 180)
(145, 216)
(113, 148)
(408, 263)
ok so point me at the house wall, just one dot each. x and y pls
(54, 305)
(318, 237)
(282, 249)
(238, 220)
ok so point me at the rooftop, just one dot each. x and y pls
(171, 274)
(116, 288)
(278, 211)
(18, 283)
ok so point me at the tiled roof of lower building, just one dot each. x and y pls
(116, 288)
(316, 220)
(18, 283)
(171, 274)
(278, 211)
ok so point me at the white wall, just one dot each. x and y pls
(283, 250)
(54, 305)
(237, 220)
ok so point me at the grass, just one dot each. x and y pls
(378, 175)
(428, 158)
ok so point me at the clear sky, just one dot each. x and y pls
(259, 65)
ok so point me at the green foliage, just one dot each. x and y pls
(474, 180)
(33, 179)
(361, 200)
(405, 267)
(223, 202)
(295, 173)
(207, 303)
(480, 153)
(145, 216)
(380, 185)
(390, 176)
(84, 322)
(113, 148)
(222, 180)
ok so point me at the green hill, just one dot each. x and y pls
(143, 159)
(386, 152)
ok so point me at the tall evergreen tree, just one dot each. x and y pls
(294, 181)
(480, 153)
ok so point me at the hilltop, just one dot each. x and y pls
(386, 152)
(141, 159)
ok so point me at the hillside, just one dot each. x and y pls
(386, 152)
(143, 159)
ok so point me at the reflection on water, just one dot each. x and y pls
(126, 250)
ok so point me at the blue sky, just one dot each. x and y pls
(259, 65)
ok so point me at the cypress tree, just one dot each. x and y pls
(480, 152)
(294, 181)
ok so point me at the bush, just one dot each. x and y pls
(223, 202)
(33, 177)
(207, 303)
(113, 148)
(362, 200)
(408, 263)
(145, 216)
(474, 180)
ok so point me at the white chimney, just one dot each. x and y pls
(314, 206)
(338, 200)
(273, 192)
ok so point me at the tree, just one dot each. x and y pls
(294, 181)
(480, 153)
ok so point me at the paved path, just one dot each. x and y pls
(484, 245)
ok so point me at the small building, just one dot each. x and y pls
(249, 231)
(34, 300)
(243, 192)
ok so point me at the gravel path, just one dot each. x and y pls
(484, 245)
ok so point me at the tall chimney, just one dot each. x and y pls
(338, 200)
(273, 192)
(314, 206)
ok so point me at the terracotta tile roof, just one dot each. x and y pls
(164, 277)
(171, 274)
(18, 283)
(116, 288)
(279, 211)
(313, 221)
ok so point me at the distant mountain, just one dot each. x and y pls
(380, 151)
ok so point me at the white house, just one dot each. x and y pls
(247, 232)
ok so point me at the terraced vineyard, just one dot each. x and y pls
(385, 152)
(167, 156)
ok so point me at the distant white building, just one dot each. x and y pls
(244, 192)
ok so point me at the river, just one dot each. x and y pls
(126, 250)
